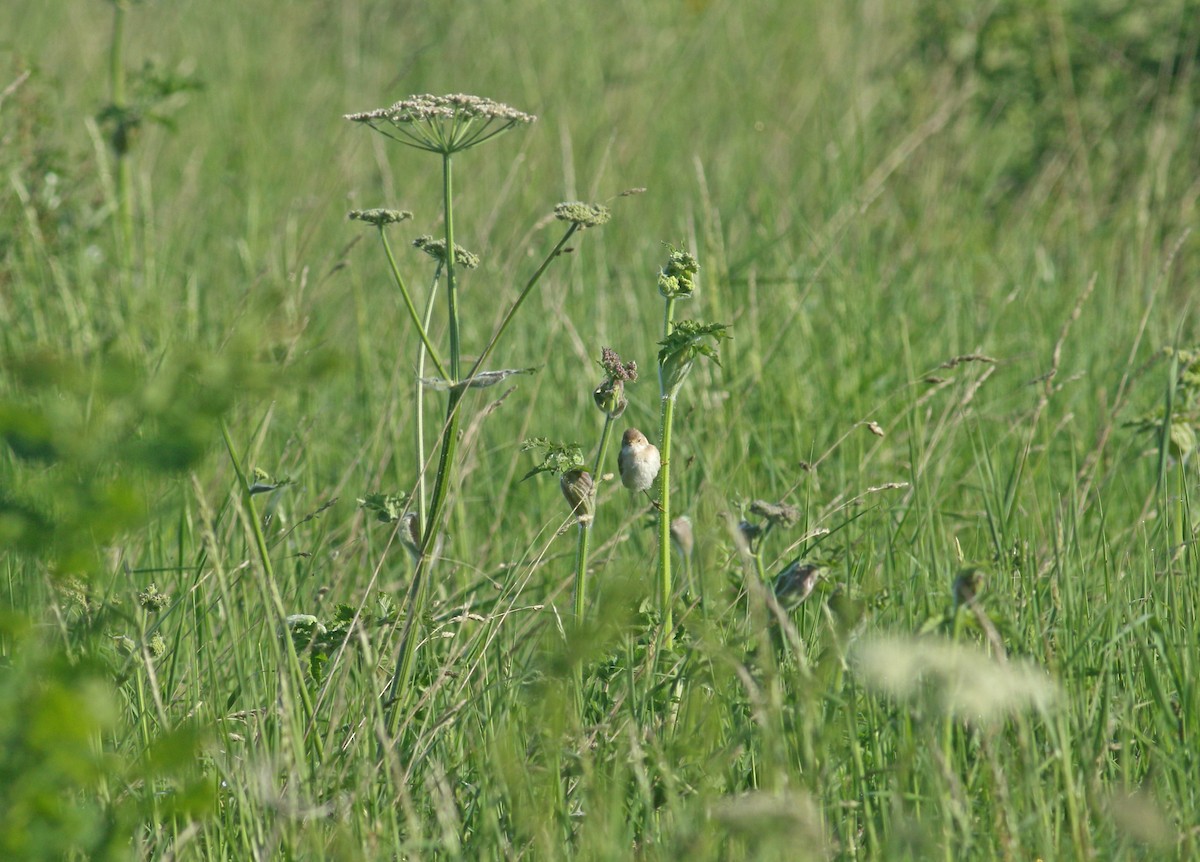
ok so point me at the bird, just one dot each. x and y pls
(638, 462)
(795, 583)
(967, 586)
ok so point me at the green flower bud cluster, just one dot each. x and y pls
(379, 217)
(436, 248)
(152, 600)
(677, 279)
(581, 214)
(557, 458)
(610, 394)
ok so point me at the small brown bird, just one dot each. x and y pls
(795, 583)
(967, 586)
(638, 462)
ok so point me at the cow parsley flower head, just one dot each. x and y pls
(581, 214)
(443, 124)
(379, 217)
(436, 248)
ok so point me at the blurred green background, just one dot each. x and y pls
(872, 189)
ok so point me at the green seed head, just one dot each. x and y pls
(157, 645)
(152, 600)
(379, 217)
(677, 279)
(436, 248)
(557, 458)
(581, 214)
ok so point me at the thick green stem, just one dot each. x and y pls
(399, 684)
(668, 320)
(417, 591)
(585, 527)
(422, 328)
(451, 281)
(665, 586)
(422, 507)
(398, 687)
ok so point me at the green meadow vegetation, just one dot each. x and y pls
(314, 543)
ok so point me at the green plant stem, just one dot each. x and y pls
(116, 72)
(422, 328)
(422, 353)
(451, 280)
(398, 687)
(525, 291)
(399, 683)
(759, 544)
(270, 586)
(585, 527)
(665, 586)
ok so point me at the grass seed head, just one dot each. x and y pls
(962, 681)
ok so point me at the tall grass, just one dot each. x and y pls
(949, 250)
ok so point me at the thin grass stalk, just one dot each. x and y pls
(525, 291)
(422, 354)
(665, 586)
(116, 72)
(398, 685)
(585, 528)
(422, 328)
(269, 585)
(1076, 821)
